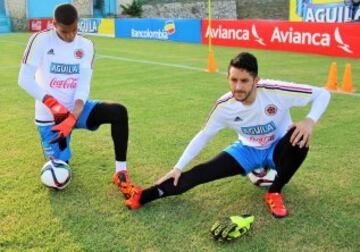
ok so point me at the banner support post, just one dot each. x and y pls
(211, 55)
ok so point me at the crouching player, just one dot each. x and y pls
(56, 70)
(258, 111)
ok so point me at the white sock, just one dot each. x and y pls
(120, 166)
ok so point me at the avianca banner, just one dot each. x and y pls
(36, 25)
(321, 38)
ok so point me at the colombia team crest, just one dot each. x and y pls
(271, 109)
(79, 53)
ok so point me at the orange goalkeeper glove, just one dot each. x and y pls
(59, 111)
(64, 128)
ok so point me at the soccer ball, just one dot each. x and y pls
(262, 177)
(55, 174)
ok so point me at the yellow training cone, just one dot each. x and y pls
(332, 77)
(347, 80)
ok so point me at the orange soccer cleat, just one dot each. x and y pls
(122, 180)
(133, 202)
(276, 205)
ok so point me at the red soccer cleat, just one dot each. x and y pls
(134, 201)
(122, 180)
(276, 205)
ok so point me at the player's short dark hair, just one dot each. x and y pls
(66, 14)
(245, 61)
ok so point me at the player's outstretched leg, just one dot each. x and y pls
(221, 166)
(287, 159)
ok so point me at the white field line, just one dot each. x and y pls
(149, 62)
(157, 63)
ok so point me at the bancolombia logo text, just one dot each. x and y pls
(149, 34)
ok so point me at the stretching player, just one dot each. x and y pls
(258, 110)
(56, 70)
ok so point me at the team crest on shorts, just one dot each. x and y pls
(79, 53)
(271, 109)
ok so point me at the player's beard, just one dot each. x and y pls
(245, 95)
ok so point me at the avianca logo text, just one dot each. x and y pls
(234, 34)
(224, 33)
(304, 38)
(307, 38)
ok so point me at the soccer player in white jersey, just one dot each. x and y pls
(56, 70)
(258, 111)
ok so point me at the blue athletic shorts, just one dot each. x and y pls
(62, 150)
(251, 158)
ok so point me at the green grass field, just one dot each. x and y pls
(168, 98)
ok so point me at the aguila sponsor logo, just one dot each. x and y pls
(291, 36)
(259, 129)
(59, 68)
(69, 83)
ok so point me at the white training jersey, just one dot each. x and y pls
(264, 121)
(62, 69)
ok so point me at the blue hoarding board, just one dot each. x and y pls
(181, 30)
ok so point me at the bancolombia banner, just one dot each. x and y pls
(97, 26)
(320, 38)
(180, 30)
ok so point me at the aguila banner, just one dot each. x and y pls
(335, 39)
(329, 11)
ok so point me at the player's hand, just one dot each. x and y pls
(64, 128)
(302, 132)
(174, 173)
(59, 111)
(231, 227)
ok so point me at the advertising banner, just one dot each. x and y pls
(181, 30)
(97, 26)
(36, 25)
(321, 38)
(328, 11)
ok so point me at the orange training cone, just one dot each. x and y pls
(347, 80)
(211, 62)
(332, 77)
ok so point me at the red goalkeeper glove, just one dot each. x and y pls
(59, 111)
(64, 128)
